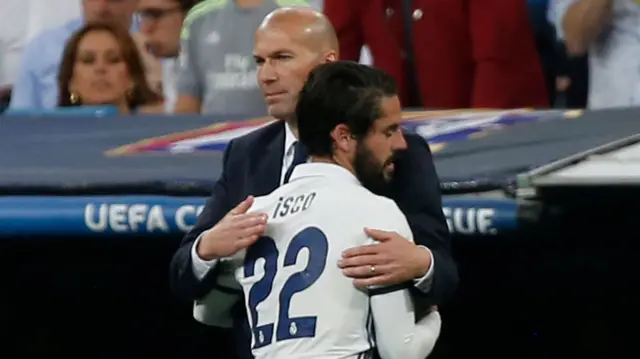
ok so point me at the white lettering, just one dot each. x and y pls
(125, 218)
(118, 217)
(485, 220)
(156, 220)
(470, 221)
(137, 216)
(98, 224)
(181, 213)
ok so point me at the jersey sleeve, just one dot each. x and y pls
(397, 334)
(388, 217)
(214, 308)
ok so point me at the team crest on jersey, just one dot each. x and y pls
(439, 128)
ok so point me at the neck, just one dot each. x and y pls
(335, 161)
(294, 129)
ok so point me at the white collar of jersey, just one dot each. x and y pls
(289, 139)
(318, 169)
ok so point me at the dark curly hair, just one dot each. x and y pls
(340, 92)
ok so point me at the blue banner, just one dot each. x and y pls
(108, 216)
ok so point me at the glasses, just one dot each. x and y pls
(155, 14)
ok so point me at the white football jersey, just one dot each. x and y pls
(299, 303)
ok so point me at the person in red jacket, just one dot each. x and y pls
(460, 53)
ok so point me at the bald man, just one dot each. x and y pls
(288, 45)
(216, 73)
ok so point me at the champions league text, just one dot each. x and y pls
(145, 218)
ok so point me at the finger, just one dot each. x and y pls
(256, 230)
(366, 272)
(243, 206)
(378, 234)
(248, 219)
(246, 242)
(386, 279)
(368, 249)
(365, 260)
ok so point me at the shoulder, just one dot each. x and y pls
(375, 206)
(261, 203)
(259, 137)
(384, 214)
(45, 50)
(415, 141)
(199, 14)
(385, 207)
(417, 149)
(52, 38)
(253, 144)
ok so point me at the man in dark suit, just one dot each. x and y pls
(288, 45)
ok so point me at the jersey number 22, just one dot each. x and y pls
(316, 243)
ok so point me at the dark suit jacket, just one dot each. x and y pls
(252, 166)
(467, 53)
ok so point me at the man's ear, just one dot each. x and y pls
(341, 137)
(330, 56)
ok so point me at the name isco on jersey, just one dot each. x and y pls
(293, 204)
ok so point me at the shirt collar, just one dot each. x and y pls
(321, 169)
(289, 139)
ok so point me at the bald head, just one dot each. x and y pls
(307, 25)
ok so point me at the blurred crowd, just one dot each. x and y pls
(195, 56)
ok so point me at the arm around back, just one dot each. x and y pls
(398, 336)
(183, 280)
(416, 190)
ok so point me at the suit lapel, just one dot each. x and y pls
(269, 166)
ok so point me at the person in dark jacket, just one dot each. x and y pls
(288, 45)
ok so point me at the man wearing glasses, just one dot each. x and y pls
(161, 22)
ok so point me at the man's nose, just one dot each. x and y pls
(400, 142)
(267, 73)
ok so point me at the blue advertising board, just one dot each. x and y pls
(107, 216)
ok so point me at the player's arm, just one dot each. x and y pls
(189, 80)
(419, 198)
(193, 278)
(398, 336)
(582, 22)
(397, 333)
